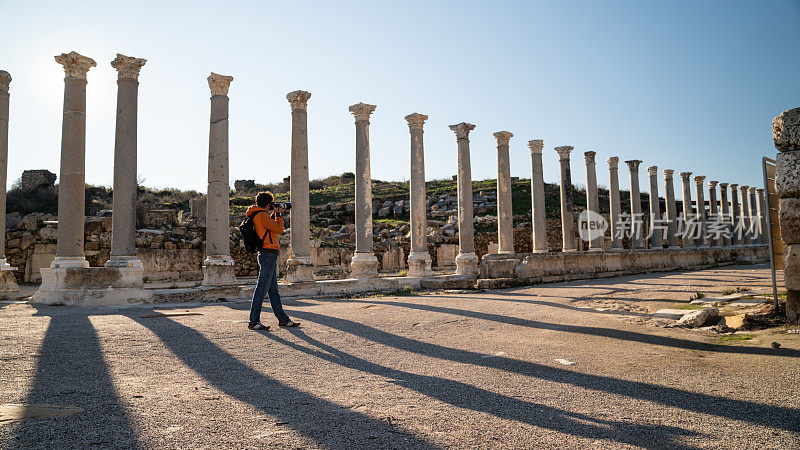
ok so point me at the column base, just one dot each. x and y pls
(69, 262)
(91, 286)
(8, 282)
(124, 261)
(467, 264)
(364, 265)
(299, 270)
(219, 272)
(569, 250)
(540, 251)
(419, 264)
(595, 249)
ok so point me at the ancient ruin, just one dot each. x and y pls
(128, 247)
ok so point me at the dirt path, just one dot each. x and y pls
(565, 365)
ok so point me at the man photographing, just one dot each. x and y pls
(268, 224)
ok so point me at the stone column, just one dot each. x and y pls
(764, 215)
(636, 204)
(419, 260)
(364, 263)
(592, 198)
(736, 215)
(655, 209)
(755, 219)
(714, 211)
(8, 282)
(466, 261)
(725, 214)
(745, 215)
(123, 221)
(614, 203)
(538, 207)
(218, 266)
(786, 134)
(72, 179)
(299, 267)
(671, 209)
(567, 202)
(701, 210)
(688, 215)
(505, 214)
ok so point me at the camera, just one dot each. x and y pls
(285, 205)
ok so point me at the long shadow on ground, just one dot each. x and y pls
(473, 398)
(326, 423)
(71, 371)
(770, 416)
(612, 333)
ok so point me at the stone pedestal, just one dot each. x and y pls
(467, 260)
(364, 263)
(505, 214)
(786, 134)
(671, 209)
(299, 267)
(655, 210)
(688, 214)
(636, 205)
(736, 216)
(419, 260)
(568, 243)
(725, 214)
(614, 203)
(91, 286)
(218, 265)
(538, 206)
(8, 282)
(123, 221)
(701, 210)
(592, 197)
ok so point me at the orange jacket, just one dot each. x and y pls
(268, 226)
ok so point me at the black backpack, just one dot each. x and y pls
(252, 241)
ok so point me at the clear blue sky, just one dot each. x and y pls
(687, 85)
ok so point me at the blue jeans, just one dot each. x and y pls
(267, 284)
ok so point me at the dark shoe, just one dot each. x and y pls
(258, 326)
(288, 324)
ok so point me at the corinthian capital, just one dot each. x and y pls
(723, 186)
(362, 111)
(536, 146)
(75, 64)
(415, 121)
(613, 162)
(752, 189)
(633, 164)
(652, 171)
(219, 84)
(699, 179)
(298, 99)
(462, 129)
(712, 184)
(686, 176)
(5, 80)
(563, 151)
(589, 156)
(668, 174)
(734, 186)
(503, 137)
(127, 67)
(743, 189)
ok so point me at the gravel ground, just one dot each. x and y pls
(440, 370)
